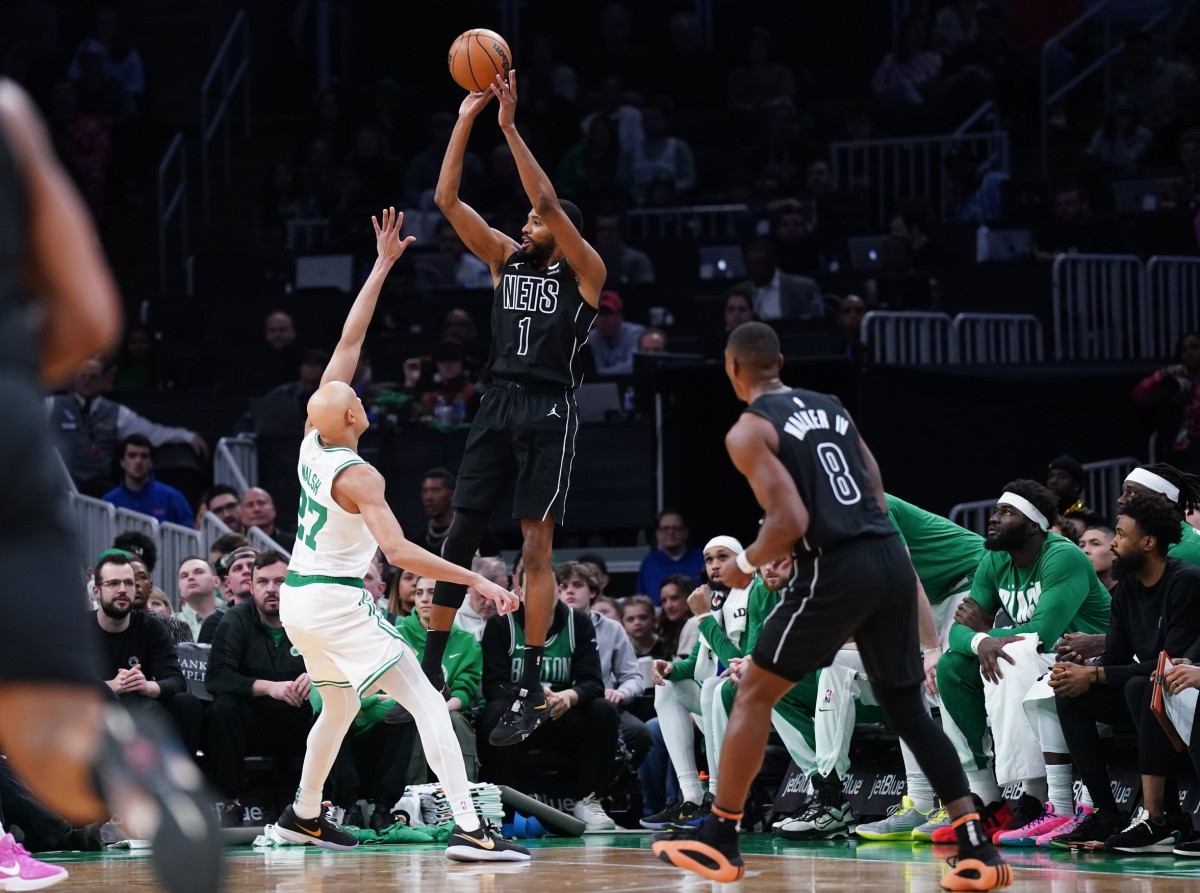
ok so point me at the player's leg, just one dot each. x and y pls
(676, 703)
(960, 687)
(405, 681)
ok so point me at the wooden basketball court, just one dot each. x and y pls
(623, 863)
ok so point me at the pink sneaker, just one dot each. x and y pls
(1081, 813)
(1047, 823)
(20, 871)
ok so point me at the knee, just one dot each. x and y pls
(954, 670)
(1137, 695)
(537, 547)
(602, 715)
(225, 711)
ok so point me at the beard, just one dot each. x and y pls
(1006, 540)
(537, 255)
(111, 610)
(1123, 567)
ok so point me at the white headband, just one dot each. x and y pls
(727, 541)
(1154, 482)
(1026, 508)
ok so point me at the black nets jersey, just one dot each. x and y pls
(540, 323)
(818, 445)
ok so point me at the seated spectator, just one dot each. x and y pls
(974, 192)
(138, 651)
(259, 687)
(458, 325)
(43, 831)
(847, 338)
(197, 593)
(624, 114)
(476, 610)
(737, 309)
(1096, 542)
(584, 730)
(599, 567)
(276, 364)
(401, 593)
(380, 172)
(224, 503)
(258, 510)
(233, 572)
(224, 544)
(612, 339)
(906, 75)
(588, 169)
(90, 426)
(145, 590)
(579, 588)
(421, 175)
(677, 627)
(1071, 228)
(638, 618)
(138, 491)
(139, 545)
(462, 668)
(624, 263)
(899, 285)
(138, 367)
(469, 271)
(659, 154)
(437, 499)
(375, 584)
(606, 607)
(282, 200)
(1155, 607)
(1184, 191)
(1065, 478)
(758, 81)
(450, 396)
(651, 340)
(1174, 392)
(673, 555)
(913, 220)
(774, 293)
(1123, 141)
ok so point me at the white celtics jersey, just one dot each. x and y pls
(330, 541)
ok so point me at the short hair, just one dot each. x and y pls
(594, 558)
(1157, 518)
(1104, 528)
(1067, 529)
(1038, 494)
(441, 474)
(490, 566)
(218, 490)
(756, 346)
(632, 600)
(228, 542)
(187, 558)
(139, 544)
(573, 213)
(110, 557)
(140, 440)
(670, 510)
(746, 291)
(269, 557)
(569, 569)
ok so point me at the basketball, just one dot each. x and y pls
(476, 57)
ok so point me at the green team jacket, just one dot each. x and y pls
(1057, 593)
(760, 601)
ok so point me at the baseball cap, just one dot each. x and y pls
(225, 562)
(1070, 465)
(610, 302)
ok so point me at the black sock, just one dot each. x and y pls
(531, 677)
(722, 823)
(972, 842)
(435, 649)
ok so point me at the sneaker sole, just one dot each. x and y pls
(39, 884)
(1154, 849)
(478, 854)
(834, 834)
(1185, 854)
(516, 738)
(301, 837)
(971, 874)
(685, 854)
(884, 835)
(923, 836)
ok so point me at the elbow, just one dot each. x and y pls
(444, 198)
(545, 201)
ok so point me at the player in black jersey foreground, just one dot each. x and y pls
(547, 289)
(823, 499)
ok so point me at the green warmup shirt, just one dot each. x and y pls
(1057, 593)
(557, 657)
(1188, 548)
(943, 553)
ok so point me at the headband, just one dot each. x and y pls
(1026, 508)
(727, 541)
(1154, 482)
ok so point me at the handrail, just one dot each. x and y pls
(215, 118)
(170, 205)
(987, 108)
(237, 472)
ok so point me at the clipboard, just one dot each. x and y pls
(1157, 707)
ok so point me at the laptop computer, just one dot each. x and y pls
(1009, 244)
(866, 253)
(325, 271)
(1137, 194)
(722, 262)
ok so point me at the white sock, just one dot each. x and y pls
(1085, 797)
(689, 787)
(1037, 789)
(1060, 785)
(920, 792)
(712, 789)
(983, 784)
(339, 707)
(407, 683)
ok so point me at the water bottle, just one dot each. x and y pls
(460, 409)
(628, 400)
(443, 411)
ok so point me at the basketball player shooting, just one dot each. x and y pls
(547, 290)
(821, 492)
(350, 650)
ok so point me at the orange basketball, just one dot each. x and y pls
(476, 57)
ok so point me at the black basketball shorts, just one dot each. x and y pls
(523, 435)
(864, 590)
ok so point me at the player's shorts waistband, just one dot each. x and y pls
(295, 579)
(523, 387)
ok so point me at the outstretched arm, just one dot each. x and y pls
(389, 246)
(489, 245)
(582, 257)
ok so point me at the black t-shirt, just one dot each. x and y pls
(144, 642)
(1148, 619)
(818, 445)
(540, 322)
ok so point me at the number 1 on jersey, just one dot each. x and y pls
(322, 515)
(523, 336)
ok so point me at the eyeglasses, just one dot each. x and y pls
(127, 583)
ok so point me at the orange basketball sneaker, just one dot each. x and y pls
(980, 866)
(683, 847)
